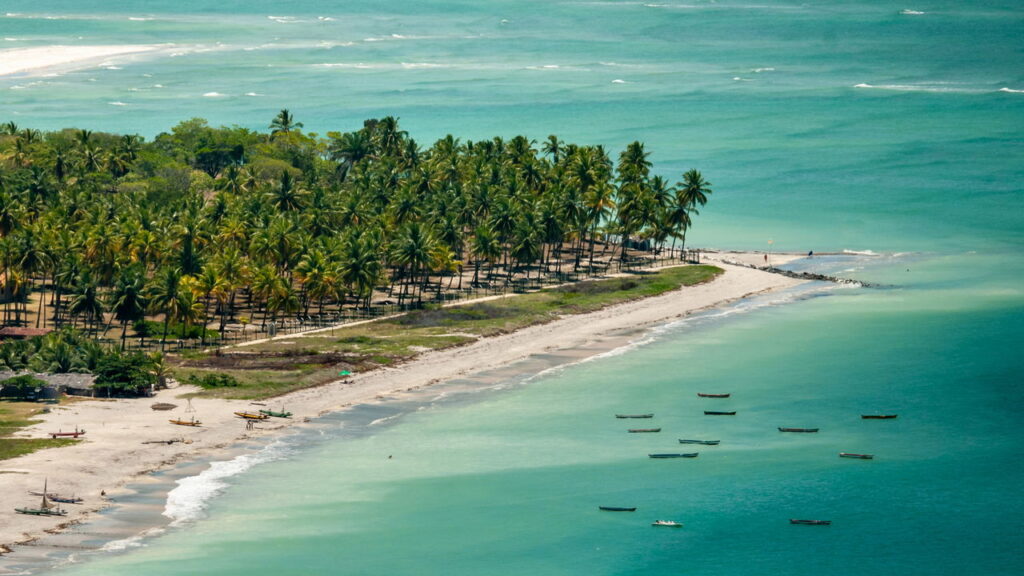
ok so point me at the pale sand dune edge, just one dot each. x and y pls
(113, 452)
(25, 60)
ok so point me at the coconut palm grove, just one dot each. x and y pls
(204, 229)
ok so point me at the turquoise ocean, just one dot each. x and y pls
(887, 133)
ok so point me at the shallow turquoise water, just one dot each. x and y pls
(822, 126)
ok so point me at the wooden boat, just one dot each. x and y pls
(252, 415)
(878, 416)
(281, 414)
(688, 455)
(859, 456)
(714, 413)
(669, 523)
(59, 498)
(638, 430)
(703, 395)
(45, 508)
(180, 422)
(634, 415)
(781, 429)
(74, 434)
(616, 509)
(701, 442)
(810, 522)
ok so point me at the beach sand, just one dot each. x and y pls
(115, 451)
(31, 60)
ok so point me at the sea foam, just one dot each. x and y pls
(188, 502)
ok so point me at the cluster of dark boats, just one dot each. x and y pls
(799, 521)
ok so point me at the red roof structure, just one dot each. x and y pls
(19, 332)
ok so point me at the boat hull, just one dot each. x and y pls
(644, 430)
(701, 442)
(856, 456)
(667, 524)
(688, 455)
(703, 395)
(634, 415)
(878, 416)
(251, 416)
(40, 512)
(799, 430)
(616, 509)
(810, 522)
(714, 413)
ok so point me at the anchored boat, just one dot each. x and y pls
(714, 413)
(688, 455)
(616, 509)
(810, 522)
(703, 395)
(878, 416)
(180, 422)
(634, 415)
(701, 442)
(781, 429)
(641, 430)
(858, 456)
(669, 523)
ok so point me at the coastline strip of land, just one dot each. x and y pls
(125, 438)
(28, 60)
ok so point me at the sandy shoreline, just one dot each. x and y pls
(120, 442)
(31, 60)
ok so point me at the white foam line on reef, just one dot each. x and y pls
(26, 60)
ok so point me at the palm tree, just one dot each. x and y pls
(283, 122)
(414, 248)
(360, 265)
(127, 301)
(163, 294)
(692, 191)
(86, 300)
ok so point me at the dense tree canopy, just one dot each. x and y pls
(107, 228)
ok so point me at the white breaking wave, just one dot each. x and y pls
(1011, 90)
(908, 12)
(861, 252)
(118, 103)
(131, 542)
(760, 70)
(188, 502)
(619, 81)
(934, 87)
(213, 95)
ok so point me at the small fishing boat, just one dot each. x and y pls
(810, 522)
(703, 395)
(45, 508)
(59, 498)
(74, 434)
(641, 430)
(701, 442)
(859, 456)
(688, 455)
(878, 416)
(669, 523)
(252, 415)
(616, 509)
(634, 415)
(714, 413)
(180, 422)
(281, 414)
(781, 429)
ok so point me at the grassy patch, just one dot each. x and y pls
(14, 447)
(15, 416)
(278, 367)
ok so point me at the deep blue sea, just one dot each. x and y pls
(890, 131)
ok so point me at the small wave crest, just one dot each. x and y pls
(909, 12)
(188, 502)
(131, 542)
(213, 95)
(860, 252)
(1011, 90)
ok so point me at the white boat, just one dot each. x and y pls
(671, 523)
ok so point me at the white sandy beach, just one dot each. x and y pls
(114, 451)
(35, 60)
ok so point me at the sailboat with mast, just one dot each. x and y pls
(45, 508)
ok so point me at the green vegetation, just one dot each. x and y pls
(17, 415)
(210, 226)
(276, 367)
